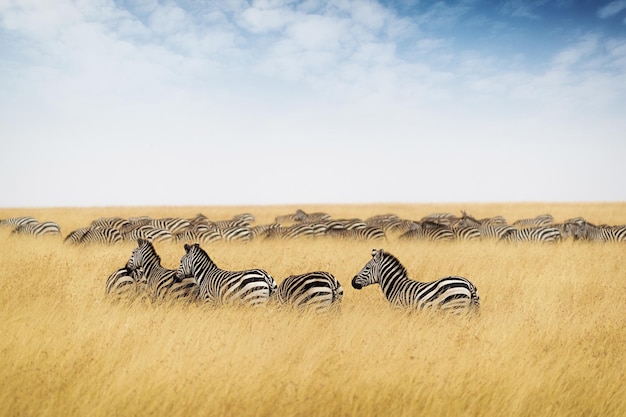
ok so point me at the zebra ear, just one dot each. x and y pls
(187, 247)
(374, 251)
(140, 241)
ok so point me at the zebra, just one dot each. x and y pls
(125, 285)
(219, 286)
(466, 232)
(318, 290)
(239, 220)
(38, 229)
(94, 235)
(300, 216)
(110, 222)
(17, 221)
(171, 224)
(452, 293)
(428, 230)
(539, 221)
(161, 283)
(534, 234)
(147, 232)
(489, 231)
(367, 233)
(204, 236)
(584, 230)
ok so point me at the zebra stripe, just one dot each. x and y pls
(428, 230)
(466, 233)
(536, 234)
(17, 221)
(38, 229)
(94, 235)
(489, 231)
(451, 293)
(125, 286)
(367, 233)
(316, 290)
(539, 221)
(587, 231)
(170, 224)
(219, 286)
(161, 282)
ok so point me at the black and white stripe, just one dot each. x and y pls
(317, 290)
(451, 293)
(38, 229)
(124, 285)
(534, 234)
(219, 286)
(161, 282)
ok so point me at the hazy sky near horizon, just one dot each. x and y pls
(147, 102)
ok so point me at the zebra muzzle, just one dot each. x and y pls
(355, 284)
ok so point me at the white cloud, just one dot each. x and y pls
(611, 9)
(280, 86)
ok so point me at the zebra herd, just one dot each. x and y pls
(199, 279)
(433, 227)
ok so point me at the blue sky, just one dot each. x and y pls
(283, 102)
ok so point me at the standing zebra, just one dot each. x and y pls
(38, 229)
(220, 286)
(317, 290)
(451, 293)
(17, 221)
(535, 234)
(162, 283)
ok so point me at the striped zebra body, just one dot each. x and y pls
(539, 221)
(170, 224)
(75, 236)
(17, 221)
(591, 232)
(535, 234)
(446, 294)
(38, 229)
(110, 222)
(488, 231)
(466, 233)
(147, 232)
(218, 286)
(125, 286)
(106, 236)
(429, 231)
(316, 290)
(202, 236)
(161, 283)
(367, 233)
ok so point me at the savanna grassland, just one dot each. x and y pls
(549, 341)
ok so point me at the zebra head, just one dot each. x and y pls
(186, 268)
(370, 274)
(138, 257)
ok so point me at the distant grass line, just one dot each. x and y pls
(549, 340)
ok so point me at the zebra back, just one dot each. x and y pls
(318, 290)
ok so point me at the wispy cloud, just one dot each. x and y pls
(354, 76)
(611, 9)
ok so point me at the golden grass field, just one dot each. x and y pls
(550, 339)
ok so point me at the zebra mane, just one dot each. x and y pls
(396, 261)
(197, 247)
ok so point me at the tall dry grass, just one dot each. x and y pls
(549, 340)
